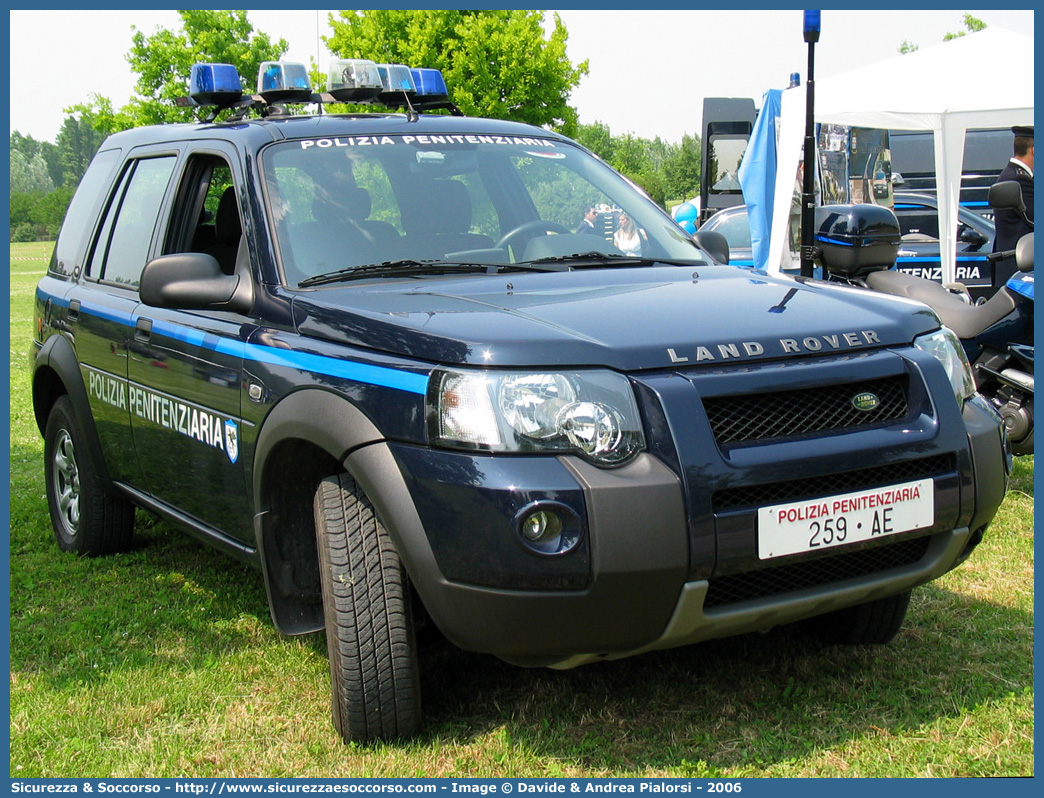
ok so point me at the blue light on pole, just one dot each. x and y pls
(812, 26)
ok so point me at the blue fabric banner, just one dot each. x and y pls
(757, 175)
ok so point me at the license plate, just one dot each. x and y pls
(817, 524)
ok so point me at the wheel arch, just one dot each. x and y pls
(306, 437)
(56, 372)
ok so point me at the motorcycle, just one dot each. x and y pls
(857, 245)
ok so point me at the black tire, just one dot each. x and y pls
(873, 623)
(374, 674)
(89, 519)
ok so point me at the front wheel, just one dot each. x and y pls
(872, 623)
(87, 516)
(375, 681)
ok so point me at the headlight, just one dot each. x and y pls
(589, 413)
(946, 347)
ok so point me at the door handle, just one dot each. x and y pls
(143, 330)
(74, 310)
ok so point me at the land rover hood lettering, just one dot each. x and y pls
(783, 346)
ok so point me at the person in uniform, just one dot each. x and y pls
(1012, 225)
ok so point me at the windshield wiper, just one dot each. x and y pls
(580, 260)
(390, 268)
(396, 268)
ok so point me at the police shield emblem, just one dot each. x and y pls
(231, 440)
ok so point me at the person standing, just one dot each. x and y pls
(1012, 225)
(628, 237)
(587, 224)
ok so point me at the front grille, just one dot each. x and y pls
(732, 589)
(792, 490)
(784, 414)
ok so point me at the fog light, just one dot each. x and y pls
(541, 526)
(548, 528)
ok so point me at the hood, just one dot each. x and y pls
(624, 318)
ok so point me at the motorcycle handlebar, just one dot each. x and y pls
(993, 256)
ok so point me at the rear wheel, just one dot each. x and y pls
(88, 517)
(375, 684)
(872, 623)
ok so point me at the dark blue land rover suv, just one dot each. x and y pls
(372, 355)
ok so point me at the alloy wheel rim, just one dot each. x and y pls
(67, 483)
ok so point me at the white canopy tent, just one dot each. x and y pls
(980, 80)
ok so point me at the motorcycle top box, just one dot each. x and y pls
(857, 239)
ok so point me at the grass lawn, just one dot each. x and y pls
(163, 662)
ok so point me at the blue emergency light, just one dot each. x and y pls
(283, 81)
(215, 84)
(431, 86)
(811, 29)
(353, 80)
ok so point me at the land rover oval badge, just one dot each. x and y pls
(865, 401)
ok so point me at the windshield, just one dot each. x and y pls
(343, 203)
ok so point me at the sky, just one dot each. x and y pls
(649, 70)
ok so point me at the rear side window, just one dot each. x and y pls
(79, 218)
(917, 222)
(122, 246)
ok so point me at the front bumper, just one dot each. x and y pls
(660, 564)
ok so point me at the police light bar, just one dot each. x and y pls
(283, 81)
(397, 84)
(353, 80)
(215, 84)
(349, 80)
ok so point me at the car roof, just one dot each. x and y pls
(923, 198)
(724, 213)
(259, 131)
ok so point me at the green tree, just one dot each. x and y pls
(26, 145)
(77, 142)
(631, 155)
(162, 62)
(31, 148)
(681, 169)
(665, 171)
(29, 175)
(497, 63)
(22, 206)
(652, 183)
(971, 25)
(597, 138)
(49, 211)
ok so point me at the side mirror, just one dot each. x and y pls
(1007, 194)
(713, 243)
(969, 235)
(193, 281)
